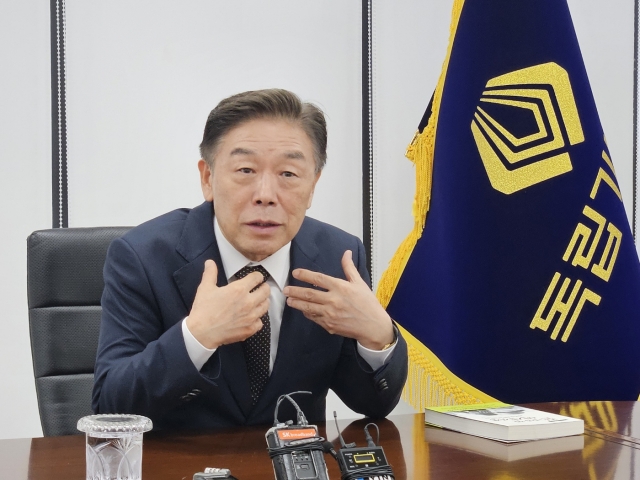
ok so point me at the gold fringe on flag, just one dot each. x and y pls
(420, 151)
(429, 383)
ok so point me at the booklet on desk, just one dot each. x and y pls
(503, 422)
(508, 452)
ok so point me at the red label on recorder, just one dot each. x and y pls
(296, 434)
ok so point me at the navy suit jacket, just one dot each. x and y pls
(151, 275)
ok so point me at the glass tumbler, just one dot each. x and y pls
(114, 445)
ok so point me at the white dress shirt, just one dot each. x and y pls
(278, 266)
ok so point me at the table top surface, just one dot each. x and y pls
(610, 448)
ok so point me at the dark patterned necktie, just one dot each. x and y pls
(257, 348)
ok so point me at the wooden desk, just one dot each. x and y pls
(611, 449)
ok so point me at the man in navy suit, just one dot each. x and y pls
(192, 337)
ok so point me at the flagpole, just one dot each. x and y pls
(367, 133)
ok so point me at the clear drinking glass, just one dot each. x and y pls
(114, 445)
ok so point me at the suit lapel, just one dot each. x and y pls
(296, 328)
(197, 245)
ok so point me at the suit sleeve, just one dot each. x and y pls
(140, 367)
(371, 393)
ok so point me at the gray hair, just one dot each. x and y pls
(271, 103)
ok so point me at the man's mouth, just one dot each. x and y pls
(263, 224)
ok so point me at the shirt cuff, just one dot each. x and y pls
(198, 353)
(375, 358)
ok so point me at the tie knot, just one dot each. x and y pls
(243, 272)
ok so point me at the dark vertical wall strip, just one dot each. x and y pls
(59, 207)
(635, 123)
(367, 133)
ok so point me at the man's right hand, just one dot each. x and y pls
(229, 314)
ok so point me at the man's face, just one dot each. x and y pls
(262, 184)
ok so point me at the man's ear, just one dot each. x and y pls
(206, 178)
(315, 181)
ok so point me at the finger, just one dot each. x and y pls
(254, 304)
(251, 281)
(316, 279)
(254, 328)
(253, 307)
(306, 294)
(210, 274)
(312, 311)
(255, 323)
(261, 309)
(248, 301)
(260, 294)
(259, 325)
(349, 268)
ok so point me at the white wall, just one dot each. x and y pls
(25, 191)
(606, 34)
(143, 76)
(410, 42)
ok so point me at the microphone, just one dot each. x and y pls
(296, 451)
(351, 445)
(327, 447)
(358, 463)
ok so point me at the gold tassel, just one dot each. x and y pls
(421, 152)
(429, 382)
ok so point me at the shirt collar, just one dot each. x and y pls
(276, 264)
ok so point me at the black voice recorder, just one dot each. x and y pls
(296, 450)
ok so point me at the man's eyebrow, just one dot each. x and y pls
(294, 154)
(241, 151)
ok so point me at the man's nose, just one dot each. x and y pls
(265, 193)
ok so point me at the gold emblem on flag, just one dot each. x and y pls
(514, 162)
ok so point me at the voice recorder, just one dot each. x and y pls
(296, 451)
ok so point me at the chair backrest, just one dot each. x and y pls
(64, 286)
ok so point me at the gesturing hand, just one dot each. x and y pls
(228, 314)
(347, 307)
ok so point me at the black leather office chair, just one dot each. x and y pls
(64, 286)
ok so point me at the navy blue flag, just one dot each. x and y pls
(520, 281)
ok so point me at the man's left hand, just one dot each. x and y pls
(347, 307)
